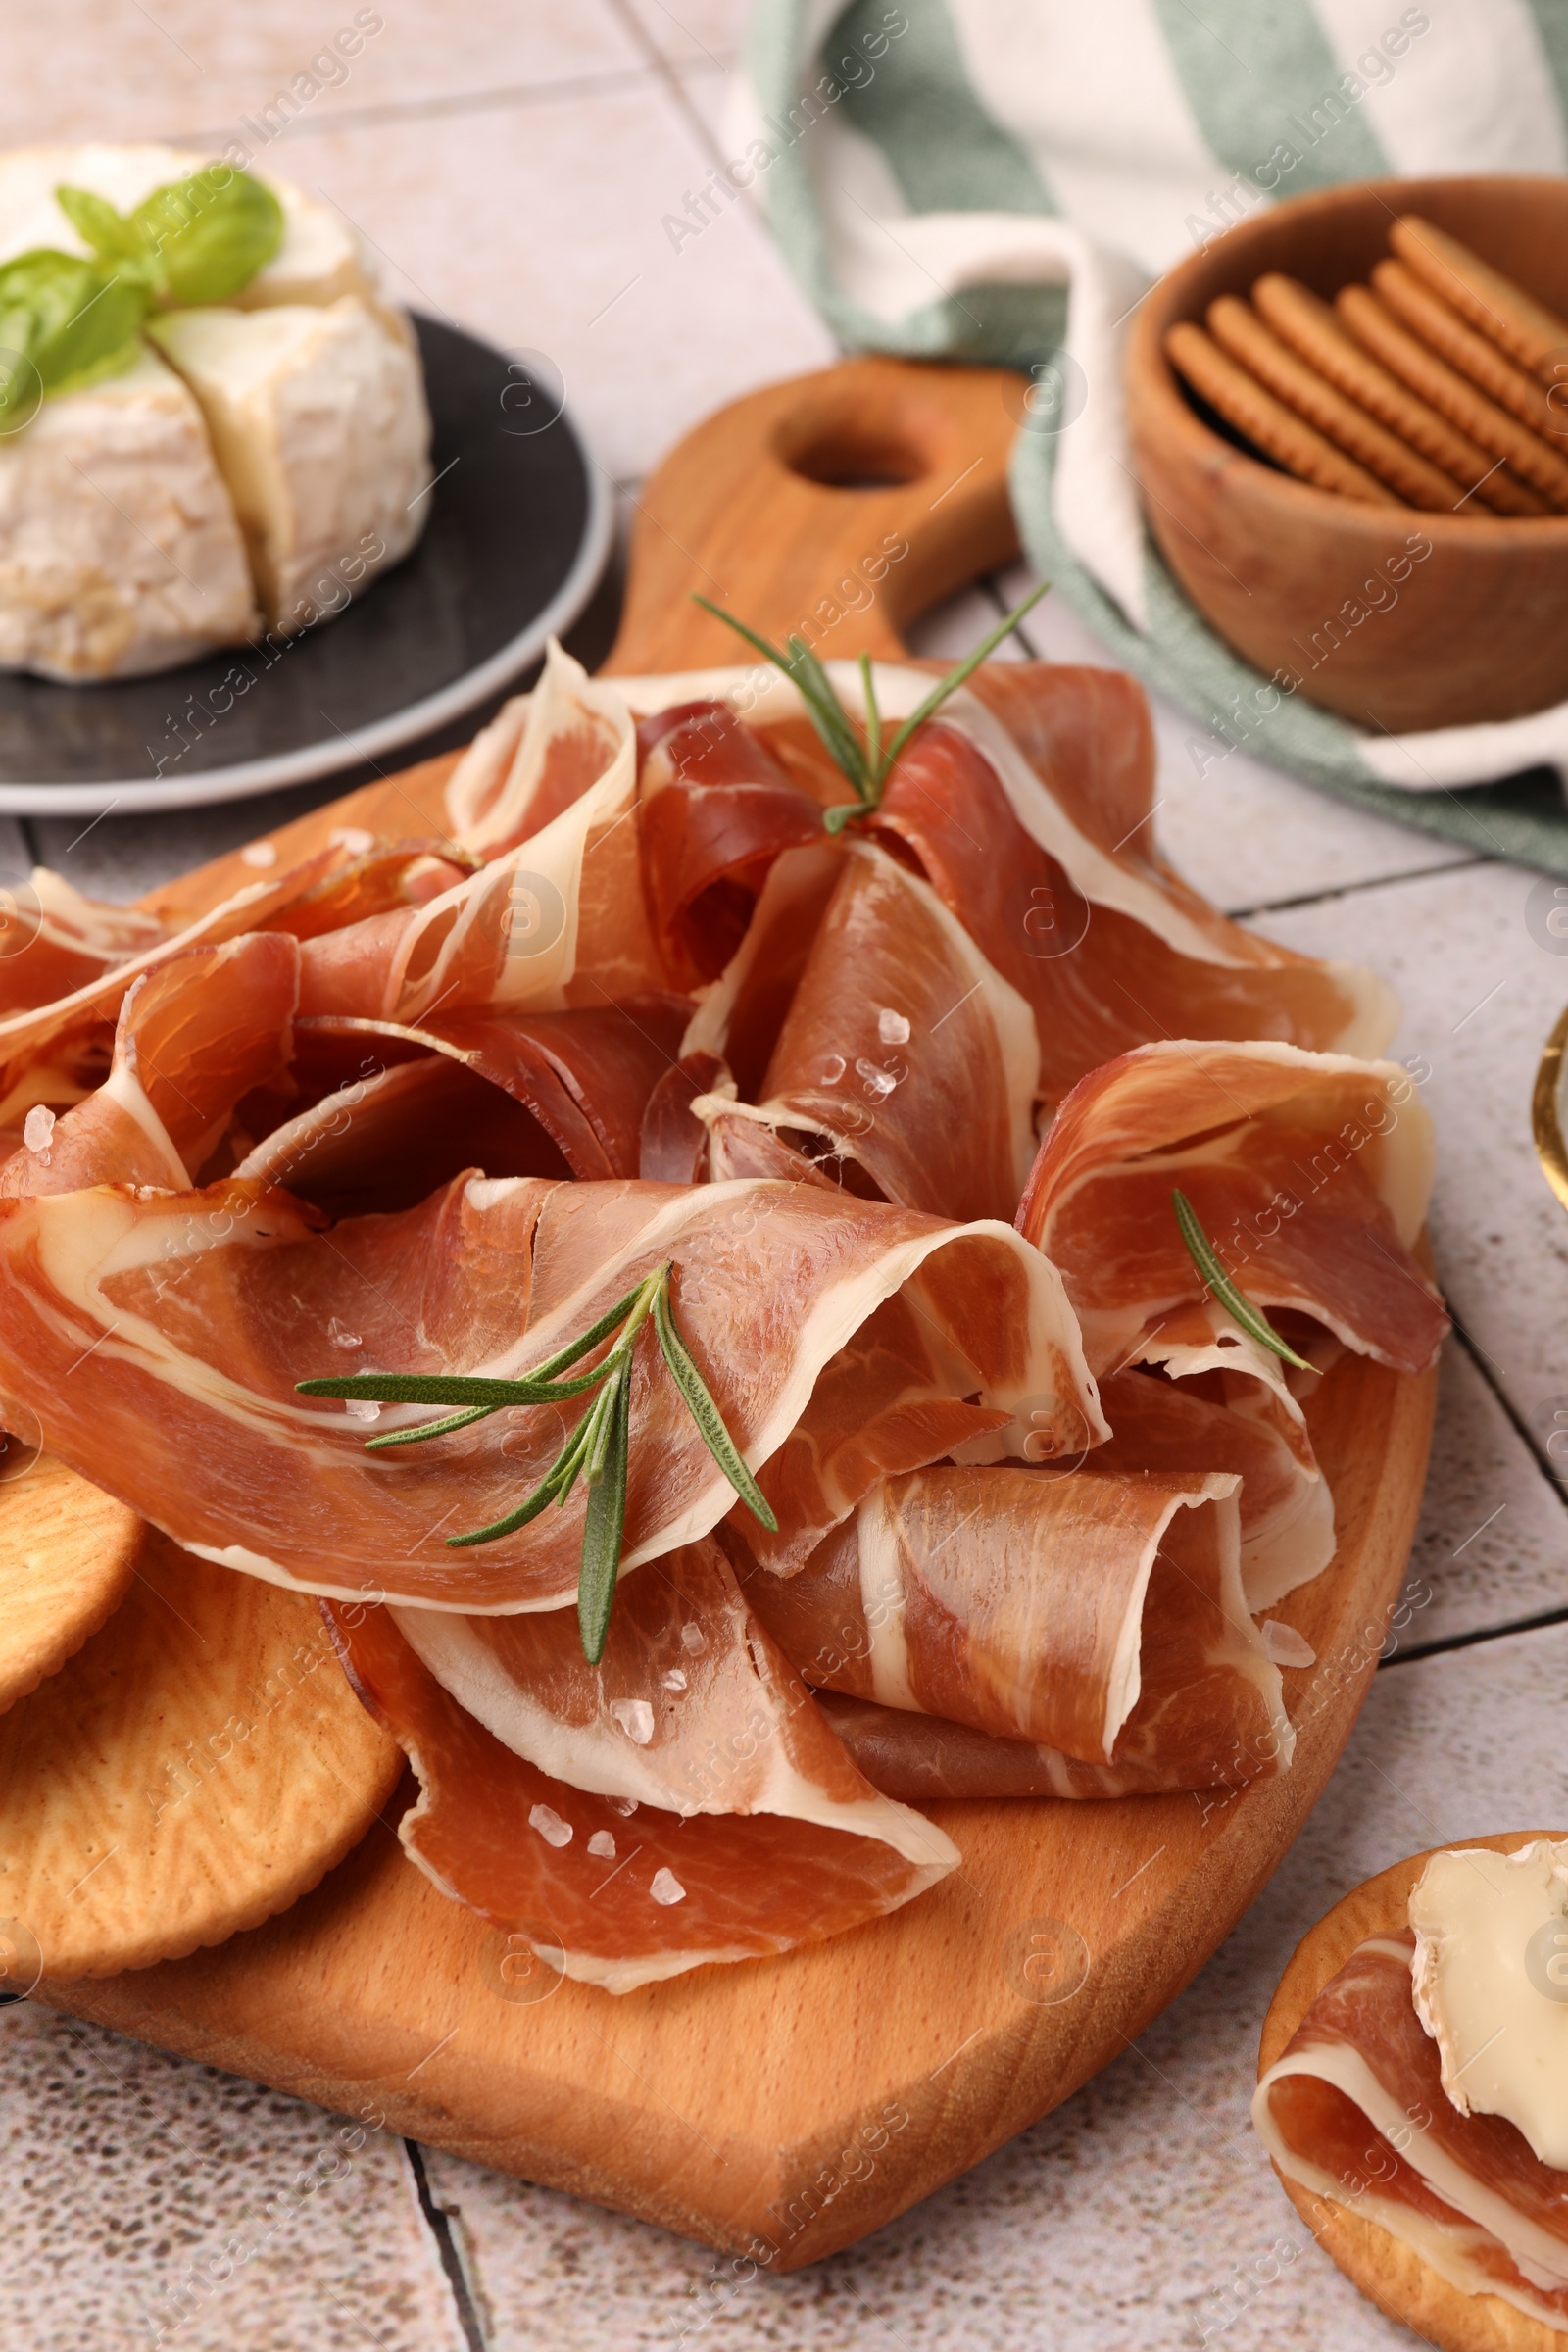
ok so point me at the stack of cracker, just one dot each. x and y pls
(1437, 386)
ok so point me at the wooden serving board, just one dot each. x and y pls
(782, 2109)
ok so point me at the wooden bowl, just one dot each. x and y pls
(1316, 588)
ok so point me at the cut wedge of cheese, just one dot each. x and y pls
(318, 421)
(119, 551)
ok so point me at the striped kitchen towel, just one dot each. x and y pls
(1000, 180)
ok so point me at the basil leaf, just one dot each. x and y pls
(111, 235)
(208, 234)
(71, 321)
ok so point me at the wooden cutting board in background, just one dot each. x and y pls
(782, 2109)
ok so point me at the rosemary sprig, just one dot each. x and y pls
(867, 764)
(1240, 1309)
(597, 1451)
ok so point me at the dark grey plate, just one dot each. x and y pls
(519, 534)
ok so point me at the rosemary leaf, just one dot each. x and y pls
(552, 1488)
(706, 1413)
(606, 1519)
(823, 707)
(955, 680)
(873, 716)
(1240, 1309)
(430, 1429)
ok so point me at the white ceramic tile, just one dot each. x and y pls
(1480, 994)
(1246, 834)
(152, 2202)
(1120, 2224)
(1491, 1548)
(693, 32)
(541, 228)
(118, 69)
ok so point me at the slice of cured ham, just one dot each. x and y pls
(544, 1093)
(711, 1814)
(904, 1058)
(1099, 979)
(924, 1759)
(1309, 1173)
(158, 1339)
(55, 1053)
(1074, 750)
(1356, 2111)
(1097, 1616)
(1287, 1512)
(195, 1033)
(714, 810)
(53, 940)
(537, 758)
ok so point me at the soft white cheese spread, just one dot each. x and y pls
(1484, 1986)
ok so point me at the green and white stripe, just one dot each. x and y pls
(1000, 179)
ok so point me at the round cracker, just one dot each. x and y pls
(1391, 2273)
(1237, 329)
(1513, 389)
(1432, 379)
(1300, 318)
(1504, 311)
(196, 1767)
(67, 1554)
(1267, 421)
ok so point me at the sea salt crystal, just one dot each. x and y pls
(340, 1338)
(635, 1718)
(354, 839)
(626, 1806)
(693, 1640)
(1283, 1646)
(877, 1083)
(666, 1887)
(892, 1027)
(259, 854)
(38, 1127)
(361, 1410)
(550, 1826)
(603, 1844)
(674, 1680)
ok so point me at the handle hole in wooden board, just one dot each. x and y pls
(841, 457)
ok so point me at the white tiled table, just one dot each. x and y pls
(514, 163)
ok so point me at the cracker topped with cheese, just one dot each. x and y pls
(211, 415)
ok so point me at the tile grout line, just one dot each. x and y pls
(610, 82)
(671, 76)
(438, 2220)
(1442, 1643)
(1521, 1427)
(1348, 890)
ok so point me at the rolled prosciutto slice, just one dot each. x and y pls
(159, 1338)
(905, 1064)
(544, 1093)
(1097, 1616)
(1309, 1173)
(714, 810)
(1356, 2111)
(691, 1807)
(1231, 1421)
